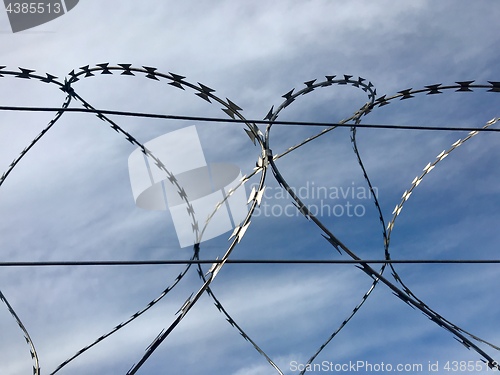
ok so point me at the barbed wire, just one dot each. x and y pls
(265, 161)
(253, 121)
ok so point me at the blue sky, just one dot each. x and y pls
(70, 197)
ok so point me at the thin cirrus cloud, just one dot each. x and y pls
(70, 198)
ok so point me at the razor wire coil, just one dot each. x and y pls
(265, 161)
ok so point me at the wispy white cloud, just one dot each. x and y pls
(71, 198)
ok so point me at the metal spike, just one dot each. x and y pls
(86, 69)
(176, 84)
(233, 106)
(242, 232)
(334, 242)
(151, 72)
(259, 195)
(309, 85)
(236, 229)
(218, 305)
(252, 195)
(269, 114)
(105, 69)
(205, 89)
(464, 86)
(203, 96)
(155, 340)
(67, 87)
(200, 273)
(406, 94)
(185, 305)
(126, 69)
(251, 135)
(213, 267)
(434, 89)
(495, 86)
(462, 342)
(288, 102)
(288, 95)
(302, 210)
(194, 226)
(227, 111)
(25, 73)
(217, 206)
(49, 79)
(176, 77)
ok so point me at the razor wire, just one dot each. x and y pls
(205, 93)
(464, 86)
(272, 116)
(265, 160)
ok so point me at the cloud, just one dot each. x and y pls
(70, 198)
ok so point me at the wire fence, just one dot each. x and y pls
(265, 163)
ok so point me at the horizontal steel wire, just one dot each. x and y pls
(238, 121)
(243, 261)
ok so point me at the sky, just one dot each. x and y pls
(70, 198)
